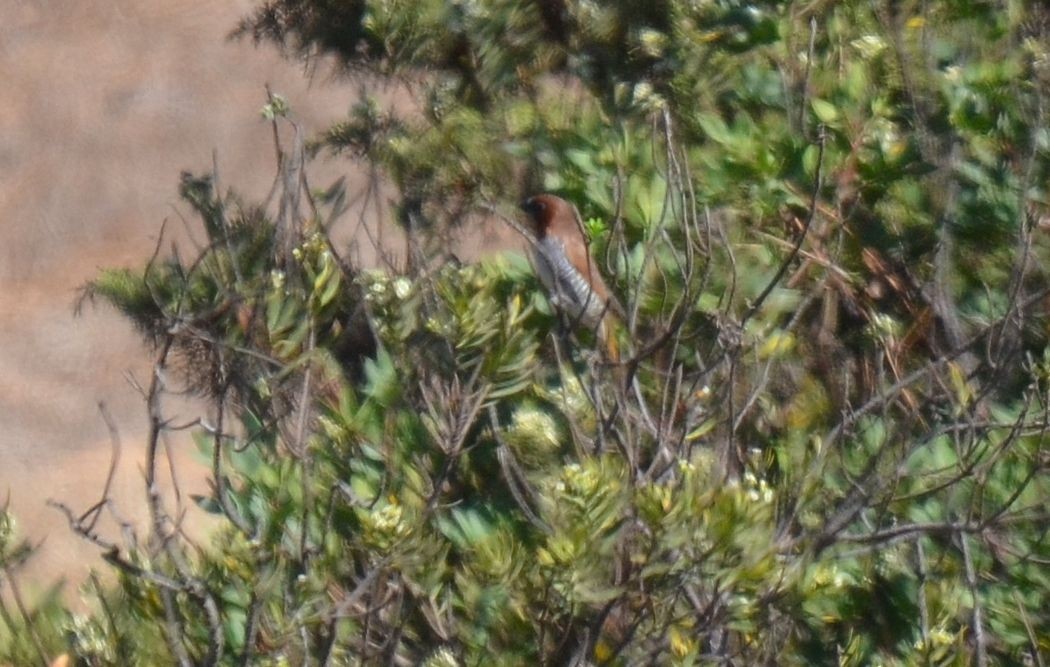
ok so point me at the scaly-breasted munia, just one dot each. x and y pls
(564, 265)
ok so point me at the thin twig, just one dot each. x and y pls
(977, 615)
(1035, 650)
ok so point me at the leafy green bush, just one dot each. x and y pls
(824, 443)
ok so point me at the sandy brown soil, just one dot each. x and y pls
(104, 103)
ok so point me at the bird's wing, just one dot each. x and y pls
(560, 275)
(586, 265)
(583, 263)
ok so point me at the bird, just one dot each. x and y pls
(564, 265)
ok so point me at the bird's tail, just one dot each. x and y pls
(607, 334)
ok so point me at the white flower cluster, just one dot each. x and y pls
(379, 286)
(89, 640)
(1039, 53)
(651, 42)
(388, 519)
(572, 400)
(578, 480)
(315, 246)
(869, 46)
(277, 279)
(533, 429)
(757, 490)
(646, 97)
(384, 524)
(938, 638)
(443, 657)
(883, 327)
(831, 575)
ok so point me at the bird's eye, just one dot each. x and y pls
(534, 207)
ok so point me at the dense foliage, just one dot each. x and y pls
(824, 442)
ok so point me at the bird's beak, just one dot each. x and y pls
(526, 205)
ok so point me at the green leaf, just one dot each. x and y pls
(208, 504)
(825, 111)
(714, 128)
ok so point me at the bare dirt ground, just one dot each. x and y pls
(104, 102)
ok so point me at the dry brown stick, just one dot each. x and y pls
(95, 511)
(978, 614)
(160, 520)
(1035, 651)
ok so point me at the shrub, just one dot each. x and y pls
(824, 442)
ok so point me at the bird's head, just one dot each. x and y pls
(543, 210)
